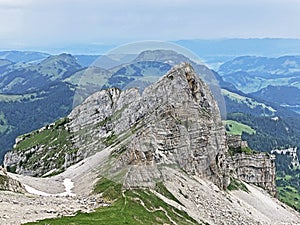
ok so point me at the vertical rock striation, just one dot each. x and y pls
(178, 124)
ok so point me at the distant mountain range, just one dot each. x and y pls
(213, 52)
(23, 56)
(287, 96)
(251, 73)
(39, 83)
(274, 80)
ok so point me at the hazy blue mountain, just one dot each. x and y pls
(146, 68)
(5, 65)
(5, 62)
(165, 56)
(144, 71)
(286, 96)
(217, 51)
(86, 60)
(149, 65)
(104, 61)
(251, 73)
(263, 66)
(23, 56)
(122, 58)
(34, 77)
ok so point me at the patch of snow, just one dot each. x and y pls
(68, 189)
(34, 191)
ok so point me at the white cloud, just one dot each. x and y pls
(49, 22)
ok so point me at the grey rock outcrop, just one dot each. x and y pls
(174, 122)
(235, 142)
(9, 184)
(172, 132)
(258, 169)
(252, 167)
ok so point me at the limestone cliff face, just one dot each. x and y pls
(258, 169)
(252, 167)
(174, 122)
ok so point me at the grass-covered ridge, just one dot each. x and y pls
(161, 188)
(45, 148)
(236, 128)
(53, 135)
(133, 207)
(251, 103)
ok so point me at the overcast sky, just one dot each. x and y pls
(29, 24)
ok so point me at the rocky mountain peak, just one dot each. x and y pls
(174, 122)
(196, 86)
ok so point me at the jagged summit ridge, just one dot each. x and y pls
(174, 122)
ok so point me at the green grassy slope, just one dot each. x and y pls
(134, 207)
(236, 128)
